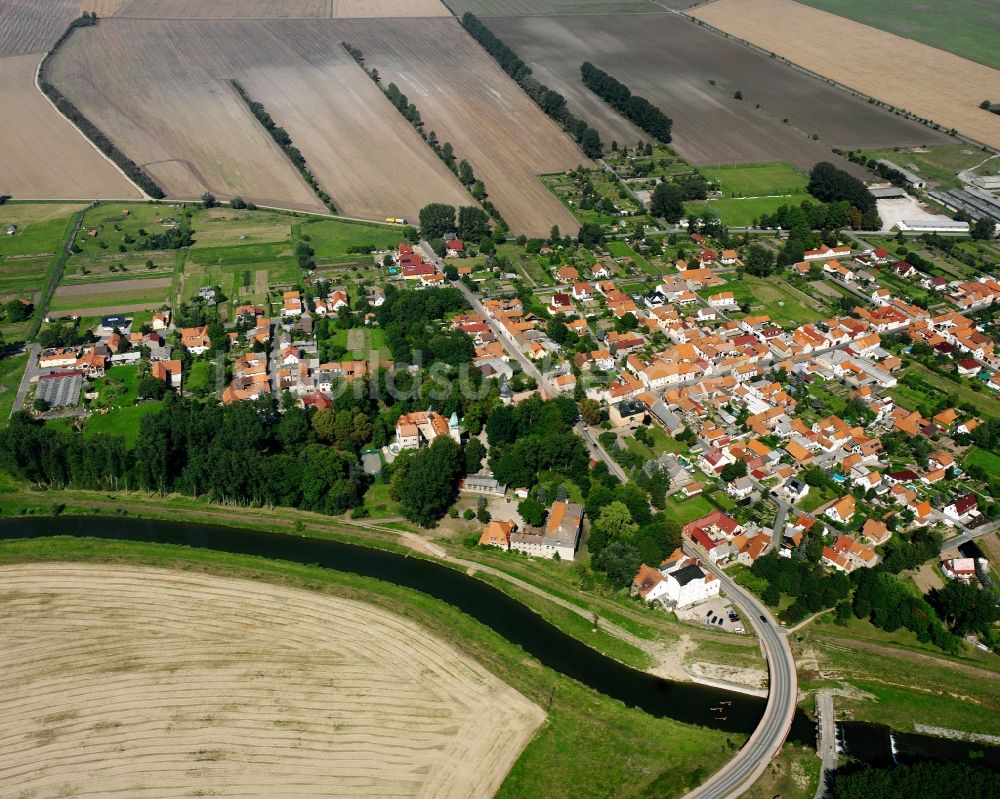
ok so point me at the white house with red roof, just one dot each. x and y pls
(964, 509)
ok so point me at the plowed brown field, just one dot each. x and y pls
(929, 82)
(692, 74)
(127, 681)
(141, 84)
(42, 156)
(466, 99)
(226, 9)
(159, 89)
(30, 26)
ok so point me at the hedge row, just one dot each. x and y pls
(284, 141)
(88, 128)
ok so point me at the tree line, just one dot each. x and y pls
(551, 102)
(638, 110)
(446, 152)
(284, 141)
(134, 172)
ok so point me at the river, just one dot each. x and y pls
(685, 702)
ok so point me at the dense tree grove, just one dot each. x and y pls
(234, 454)
(812, 587)
(411, 323)
(830, 184)
(926, 780)
(667, 202)
(551, 102)
(886, 602)
(638, 110)
(436, 220)
(425, 481)
(535, 436)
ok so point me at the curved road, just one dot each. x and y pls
(749, 763)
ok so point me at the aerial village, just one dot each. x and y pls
(776, 431)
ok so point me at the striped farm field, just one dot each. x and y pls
(142, 682)
(928, 82)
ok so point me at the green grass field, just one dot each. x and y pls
(117, 388)
(11, 370)
(112, 225)
(26, 255)
(123, 421)
(990, 461)
(780, 300)
(619, 249)
(984, 400)
(331, 238)
(108, 299)
(742, 212)
(200, 376)
(687, 510)
(374, 341)
(40, 228)
(757, 180)
(219, 227)
(968, 28)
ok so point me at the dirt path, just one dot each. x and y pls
(148, 682)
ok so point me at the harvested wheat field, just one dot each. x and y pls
(30, 26)
(227, 9)
(467, 100)
(160, 89)
(928, 82)
(674, 62)
(127, 681)
(42, 156)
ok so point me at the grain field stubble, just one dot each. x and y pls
(155, 683)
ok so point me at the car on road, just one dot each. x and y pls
(763, 619)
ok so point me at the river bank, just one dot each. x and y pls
(634, 636)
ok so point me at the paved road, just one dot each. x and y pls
(275, 356)
(597, 451)
(827, 747)
(31, 371)
(749, 763)
(778, 532)
(745, 768)
(526, 364)
(970, 535)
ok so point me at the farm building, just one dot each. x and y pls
(915, 181)
(933, 226)
(60, 390)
